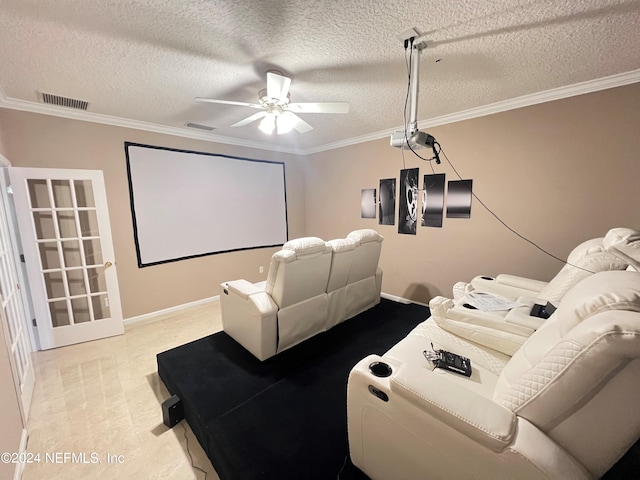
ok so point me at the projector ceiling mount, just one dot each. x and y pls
(410, 137)
(277, 110)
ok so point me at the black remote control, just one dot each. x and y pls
(453, 362)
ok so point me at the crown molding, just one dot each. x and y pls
(43, 109)
(503, 106)
(589, 86)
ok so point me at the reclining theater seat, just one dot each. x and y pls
(563, 407)
(592, 256)
(341, 261)
(355, 279)
(291, 307)
(506, 330)
(364, 284)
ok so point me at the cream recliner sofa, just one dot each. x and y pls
(311, 286)
(565, 406)
(507, 330)
(591, 256)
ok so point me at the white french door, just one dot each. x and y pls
(65, 233)
(13, 316)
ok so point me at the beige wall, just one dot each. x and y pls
(33, 140)
(558, 173)
(10, 416)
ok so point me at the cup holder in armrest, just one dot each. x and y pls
(380, 369)
(487, 278)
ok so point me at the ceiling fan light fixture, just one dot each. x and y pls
(268, 123)
(285, 122)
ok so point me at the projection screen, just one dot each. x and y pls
(188, 204)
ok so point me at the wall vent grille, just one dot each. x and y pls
(64, 101)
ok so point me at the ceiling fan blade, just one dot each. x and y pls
(322, 107)
(228, 102)
(250, 119)
(300, 125)
(278, 86)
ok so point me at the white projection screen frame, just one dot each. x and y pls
(188, 204)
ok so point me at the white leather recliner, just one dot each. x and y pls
(311, 286)
(365, 277)
(506, 330)
(288, 308)
(589, 257)
(565, 406)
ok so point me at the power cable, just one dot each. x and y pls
(504, 223)
(184, 429)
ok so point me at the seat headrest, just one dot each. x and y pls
(307, 246)
(585, 249)
(366, 235)
(603, 291)
(340, 245)
(625, 244)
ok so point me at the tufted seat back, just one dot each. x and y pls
(299, 271)
(577, 375)
(366, 255)
(586, 259)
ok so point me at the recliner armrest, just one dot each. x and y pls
(249, 315)
(474, 415)
(521, 282)
(242, 288)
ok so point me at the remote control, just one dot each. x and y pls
(455, 363)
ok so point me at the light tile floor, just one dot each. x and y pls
(102, 399)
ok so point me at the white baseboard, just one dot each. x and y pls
(155, 316)
(395, 298)
(17, 475)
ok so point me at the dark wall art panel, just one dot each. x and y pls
(387, 205)
(408, 204)
(459, 199)
(433, 200)
(368, 203)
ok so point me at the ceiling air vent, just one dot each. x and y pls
(199, 126)
(64, 101)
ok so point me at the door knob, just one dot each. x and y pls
(107, 265)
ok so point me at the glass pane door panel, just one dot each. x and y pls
(44, 225)
(71, 253)
(75, 279)
(65, 210)
(61, 193)
(80, 309)
(49, 256)
(38, 193)
(12, 328)
(92, 252)
(100, 305)
(88, 223)
(97, 282)
(59, 313)
(67, 224)
(54, 284)
(84, 193)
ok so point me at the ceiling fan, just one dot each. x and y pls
(277, 110)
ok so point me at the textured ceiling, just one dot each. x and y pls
(145, 61)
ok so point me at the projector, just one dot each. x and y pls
(417, 140)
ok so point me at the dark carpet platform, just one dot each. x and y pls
(284, 418)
